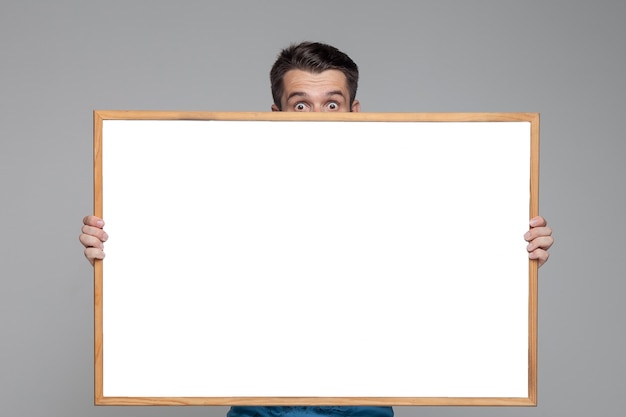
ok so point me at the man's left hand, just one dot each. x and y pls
(539, 239)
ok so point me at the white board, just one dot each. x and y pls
(315, 259)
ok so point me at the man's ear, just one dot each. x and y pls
(356, 106)
(275, 107)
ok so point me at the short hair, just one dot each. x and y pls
(313, 57)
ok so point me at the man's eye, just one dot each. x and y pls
(333, 106)
(300, 107)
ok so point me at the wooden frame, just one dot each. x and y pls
(469, 119)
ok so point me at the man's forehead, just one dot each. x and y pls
(314, 83)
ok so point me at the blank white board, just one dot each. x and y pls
(267, 259)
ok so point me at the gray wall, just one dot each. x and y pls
(60, 60)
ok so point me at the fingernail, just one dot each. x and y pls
(100, 223)
(526, 235)
(105, 237)
(534, 222)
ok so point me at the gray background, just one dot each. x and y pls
(61, 60)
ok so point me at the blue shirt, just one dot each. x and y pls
(326, 411)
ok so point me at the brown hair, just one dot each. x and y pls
(313, 57)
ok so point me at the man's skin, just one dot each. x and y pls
(326, 91)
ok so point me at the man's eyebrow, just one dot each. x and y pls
(304, 95)
(335, 93)
(297, 94)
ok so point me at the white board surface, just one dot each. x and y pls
(315, 259)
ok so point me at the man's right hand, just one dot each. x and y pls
(93, 237)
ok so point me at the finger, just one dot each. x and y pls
(540, 255)
(92, 254)
(538, 221)
(536, 232)
(95, 232)
(543, 242)
(93, 221)
(90, 241)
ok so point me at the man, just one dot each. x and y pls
(314, 77)
(319, 78)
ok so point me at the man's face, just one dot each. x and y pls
(324, 91)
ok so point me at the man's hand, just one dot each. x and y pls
(93, 238)
(539, 239)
